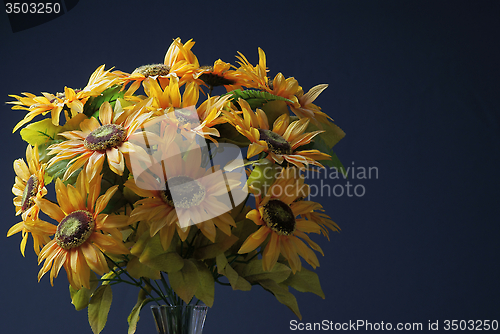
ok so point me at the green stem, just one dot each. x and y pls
(133, 279)
(191, 249)
(171, 294)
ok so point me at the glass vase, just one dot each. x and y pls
(188, 319)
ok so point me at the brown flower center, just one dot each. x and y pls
(29, 192)
(74, 229)
(153, 70)
(212, 79)
(279, 217)
(183, 192)
(104, 137)
(277, 144)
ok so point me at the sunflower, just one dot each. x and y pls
(178, 193)
(71, 100)
(323, 220)
(28, 186)
(221, 74)
(256, 77)
(306, 108)
(282, 223)
(182, 111)
(83, 233)
(281, 142)
(96, 141)
(180, 62)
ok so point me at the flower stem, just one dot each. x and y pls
(133, 279)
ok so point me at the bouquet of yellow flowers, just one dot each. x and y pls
(152, 176)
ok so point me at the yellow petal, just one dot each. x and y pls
(105, 113)
(21, 169)
(15, 229)
(254, 240)
(256, 148)
(271, 253)
(95, 259)
(51, 209)
(103, 200)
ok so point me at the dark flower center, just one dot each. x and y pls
(29, 192)
(279, 217)
(212, 79)
(74, 229)
(104, 137)
(276, 143)
(187, 192)
(153, 70)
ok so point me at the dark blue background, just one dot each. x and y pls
(413, 84)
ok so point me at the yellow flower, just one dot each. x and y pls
(256, 77)
(101, 80)
(29, 185)
(96, 141)
(71, 101)
(221, 74)
(83, 233)
(306, 108)
(180, 62)
(182, 111)
(279, 216)
(170, 96)
(322, 220)
(178, 193)
(281, 142)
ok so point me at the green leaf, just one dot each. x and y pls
(99, 306)
(58, 169)
(222, 243)
(74, 123)
(93, 104)
(318, 143)
(255, 98)
(155, 257)
(133, 317)
(305, 281)
(40, 132)
(105, 279)
(263, 176)
(282, 295)
(335, 162)
(185, 281)
(136, 269)
(140, 244)
(206, 284)
(275, 109)
(253, 272)
(80, 298)
(332, 135)
(224, 268)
